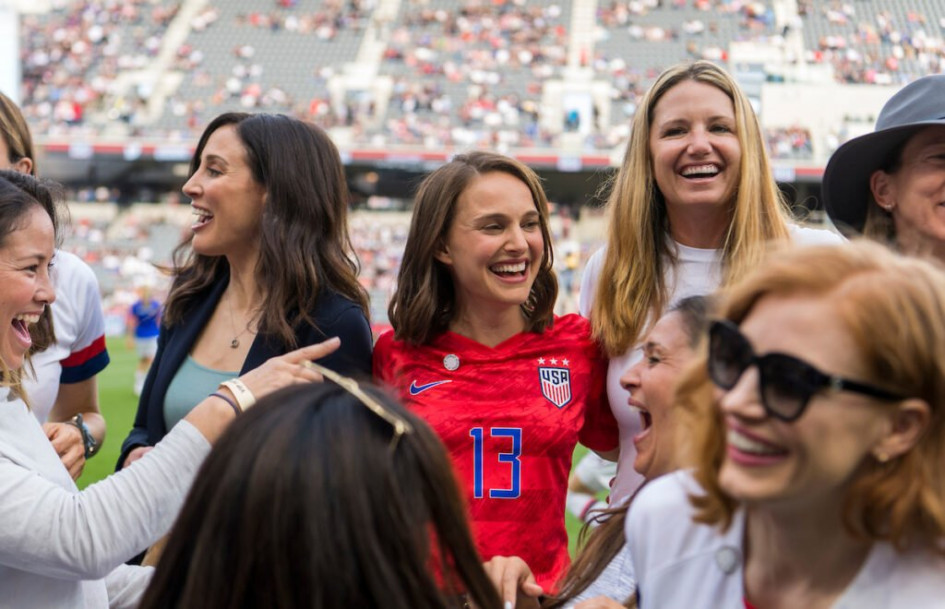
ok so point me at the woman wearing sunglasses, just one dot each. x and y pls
(820, 479)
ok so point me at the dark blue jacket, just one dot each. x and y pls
(334, 315)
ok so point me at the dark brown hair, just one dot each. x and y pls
(19, 193)
(425, 301)
(16, 134)
(303, 504)
(304, 245)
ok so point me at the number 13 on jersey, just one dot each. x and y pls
(507, 437)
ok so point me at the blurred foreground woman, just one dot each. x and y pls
(331, 496)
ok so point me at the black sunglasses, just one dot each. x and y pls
(786, 383)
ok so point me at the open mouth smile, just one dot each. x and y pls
(749, 450)
(21, 327)
(203, 217)
(646, 420)
(695, 172)
(511, 270)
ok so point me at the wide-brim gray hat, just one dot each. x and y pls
(845, 186)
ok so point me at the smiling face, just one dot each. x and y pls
(651, 383)
(494, 245)
(24, 274)
(227, 201)
(694, 148)
(915, 192)
(814, 458)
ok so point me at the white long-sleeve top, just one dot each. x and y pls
(681, 564)
(61, 547)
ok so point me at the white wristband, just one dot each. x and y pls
(244, 397)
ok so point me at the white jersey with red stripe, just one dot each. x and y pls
(79, 351)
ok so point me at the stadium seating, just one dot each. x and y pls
(426, 74)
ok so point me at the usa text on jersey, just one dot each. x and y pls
(555, 384)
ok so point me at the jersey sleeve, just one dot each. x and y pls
(87, 354)
(600, 431)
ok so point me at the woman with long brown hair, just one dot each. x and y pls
(268, 267)
(478, 353)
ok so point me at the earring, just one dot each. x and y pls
(882, 456)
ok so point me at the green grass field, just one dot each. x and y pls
(118, 403)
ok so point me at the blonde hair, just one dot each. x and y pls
(632, 287)
(894, 308)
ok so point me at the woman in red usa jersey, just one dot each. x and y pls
(477, 351)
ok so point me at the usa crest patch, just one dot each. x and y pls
(555, 385)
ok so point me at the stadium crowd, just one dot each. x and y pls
(462, 74)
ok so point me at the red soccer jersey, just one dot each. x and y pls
(510, 417)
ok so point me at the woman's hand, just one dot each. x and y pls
(212, 416)
(288, 369)
(136, 453)
(67, 441)
(514, 580)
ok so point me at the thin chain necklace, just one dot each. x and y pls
(235, 343)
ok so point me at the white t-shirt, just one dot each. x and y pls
(680, 563)
(698, 272)
(79, 351)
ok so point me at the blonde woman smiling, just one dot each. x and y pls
(693, 206)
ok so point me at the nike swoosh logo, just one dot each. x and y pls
(416, 389)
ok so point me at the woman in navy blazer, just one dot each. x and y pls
(269, 267)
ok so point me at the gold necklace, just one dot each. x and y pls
(235, 343)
